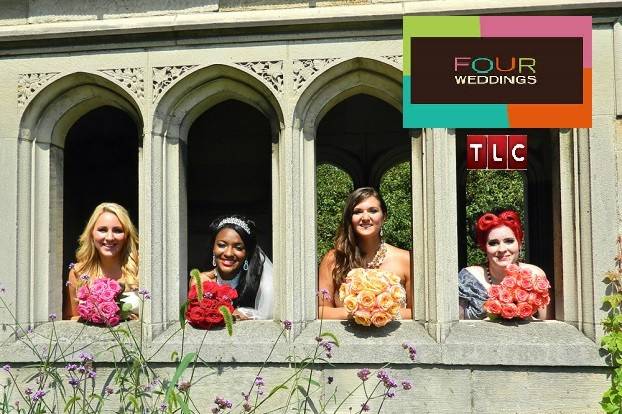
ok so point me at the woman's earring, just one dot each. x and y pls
(245, 265)
(214, 260)
(381, 232)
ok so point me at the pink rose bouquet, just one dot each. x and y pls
(100, 302)
(372, 296)
(520, 294)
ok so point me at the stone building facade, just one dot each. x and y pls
(160, 66)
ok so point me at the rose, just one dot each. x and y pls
(384, 300)
(535, 300)
(350, 303)
(512, 270)
(107, 294)
(98, 286)
(83, 292)
(493, 291)
(394, 309)
(505, 295)
(546, 299)
(509, 281)
(493, 306)
(366, 298)
(525, 281)
(114, 286)
(521, 295)
(114, 320)
(398, 293)
(362, 317)
(509, 310)
(524, 310)
(377, 285)
(380, 318)
(108, 309)
(541, 284)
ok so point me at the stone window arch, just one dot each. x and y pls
(174, 114)
(43, 127)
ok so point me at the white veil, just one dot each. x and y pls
(264, 301)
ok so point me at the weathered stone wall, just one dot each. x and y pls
(60, 59)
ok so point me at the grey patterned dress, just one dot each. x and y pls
(472, 295)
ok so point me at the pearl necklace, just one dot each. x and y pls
(379, 257)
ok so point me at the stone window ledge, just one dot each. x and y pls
(541, 343)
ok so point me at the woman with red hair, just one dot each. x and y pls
(500, 237)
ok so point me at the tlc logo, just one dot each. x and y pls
(496, 152)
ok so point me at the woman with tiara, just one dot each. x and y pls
(239, 262)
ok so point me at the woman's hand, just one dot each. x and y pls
(240, 316)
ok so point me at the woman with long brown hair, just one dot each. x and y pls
(359, 244)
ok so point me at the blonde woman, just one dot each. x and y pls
(108, 247)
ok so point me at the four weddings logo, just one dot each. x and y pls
(497, 71)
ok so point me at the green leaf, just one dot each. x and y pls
(275, 389)
(71, 402)
(126, 307)
(196, 275)
(179, 372)
(174, 356)
(227, 318)
(184, 407)
(331, 336)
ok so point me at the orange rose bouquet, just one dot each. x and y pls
(372, 296)
(520, 294)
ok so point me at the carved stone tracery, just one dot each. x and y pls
(397, 59)
(132, 79)
(305, 69)
(164, 76)
(271, 71)
(29, 83)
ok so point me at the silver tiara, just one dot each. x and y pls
(236, 221)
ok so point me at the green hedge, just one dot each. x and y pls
(333, 187)
(488, 190)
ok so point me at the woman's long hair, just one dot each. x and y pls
(347, 252)
(250, 278)
(87, 257)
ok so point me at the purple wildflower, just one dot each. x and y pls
(74, 382)
(363, 374)
(2, 289)
(390, 393)
(71, 265)
(39, 394)
(325, 294)
(7, 368)
(287, 325)
(412, 352)
(81, 369)
(52, 316)
(330, 380)
(85, 356)
(108, 390)
(259, 382)
(222, 403)
(183, 386)
(406, 385)
(92, 374)
(144, 293)
(28, 391)
(163, 407)
(328, 348)
(247, 407)
(84, 277)
(364, 407)
(71, 367)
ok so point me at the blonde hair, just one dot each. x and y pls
(87, 257)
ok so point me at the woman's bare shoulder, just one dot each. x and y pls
(329, 258)
(401, 254)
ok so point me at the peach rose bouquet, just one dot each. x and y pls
(372, 296)
(520, 294)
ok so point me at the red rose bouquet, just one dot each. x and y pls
(203, 312)
(520, 294)
(100, 302)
